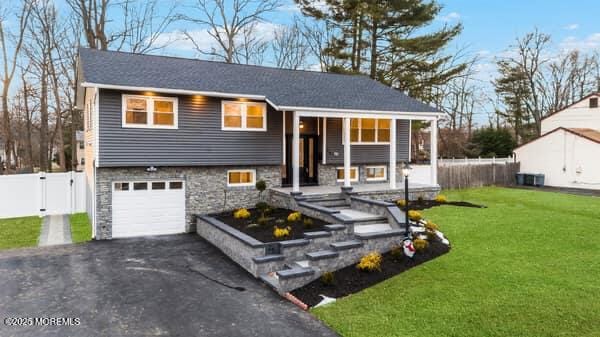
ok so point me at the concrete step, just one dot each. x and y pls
(293, 273)
(317, 234)
(381, 234)
(370, 228)
(345, 245)
(322, 255)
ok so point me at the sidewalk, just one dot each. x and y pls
(56, 230)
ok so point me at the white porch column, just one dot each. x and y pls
(324, 133)
(296, 154)
(392, 170)
(434, 151)
(347, 152)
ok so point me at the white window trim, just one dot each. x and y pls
(351, 179)
(359, 142)
(252, 183)
(384, 178)
(150, 113)
(244, 106)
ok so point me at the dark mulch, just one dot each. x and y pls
(350, 280)
(425, 204)
(264, 233)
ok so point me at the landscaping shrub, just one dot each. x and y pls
(241, 213)
(414, 215)
(401, 203)
(397, 252)
(420, 244)
(279, 233)
(430, 226)
(442, 199)
(261, 206)
(328, 278)
(308, 223)
(370, 262)
(263, 220)
(420, 198)
(294, 216)
(261, 186)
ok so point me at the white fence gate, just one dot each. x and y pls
(42, 194)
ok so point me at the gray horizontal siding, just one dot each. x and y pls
(198, 140)
(365, 154)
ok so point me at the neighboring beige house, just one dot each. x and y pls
(79, 136)
(568, 151)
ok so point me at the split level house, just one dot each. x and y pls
(168, 138)
(568, 151)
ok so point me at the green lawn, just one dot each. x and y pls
(20, 232)
(81, 230)
(529, 265)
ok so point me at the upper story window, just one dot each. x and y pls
(369, 131)
(249, 116)
(149, 112)
(594, 102)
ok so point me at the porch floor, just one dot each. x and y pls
(379, 187)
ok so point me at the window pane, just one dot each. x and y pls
(234, 177)
(340, 174)
(375, 172)
(138, 104)
(136, 117)
(232, 115)
(121, 186)
(353, 173)
(383, 135)
(164, 119)
(354, 130)
(254, 110)
(158, 185)
(368, 130)
(175, 185)
(241, 177)
(163, 106)
(233, 121)
(254, 122)
(140, 186)
(383, 123)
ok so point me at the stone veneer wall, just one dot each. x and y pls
(206, 190)
(328, 174)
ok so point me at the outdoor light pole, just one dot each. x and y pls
(406, 172)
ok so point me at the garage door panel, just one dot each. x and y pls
(148, 212)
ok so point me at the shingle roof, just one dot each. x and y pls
(591, 134)
(283, 87)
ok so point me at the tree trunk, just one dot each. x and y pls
(7, 131)
(374, 28)
(60, 143)
(44, 120)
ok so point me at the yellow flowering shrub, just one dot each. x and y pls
(294, 216)
(414, 215)
(420, 244)
(241, 213)
(401, 203)
(279, 233)
(370, 262)
(441, 198)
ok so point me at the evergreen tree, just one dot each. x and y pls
(513, 90)
(381, 39)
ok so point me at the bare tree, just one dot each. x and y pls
(317, 36)
(225, 22)
(290, 48)
(9, 62)
(252, 46)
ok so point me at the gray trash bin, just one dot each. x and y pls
(538, 180)
(520, 177)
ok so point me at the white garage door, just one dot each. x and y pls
(148, 208)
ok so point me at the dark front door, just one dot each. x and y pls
(308, 160)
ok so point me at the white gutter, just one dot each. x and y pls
(307, 111)
(172, 91)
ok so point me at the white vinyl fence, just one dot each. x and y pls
(42, 194)
(475, 161)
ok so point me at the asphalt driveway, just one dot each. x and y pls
(160, 286)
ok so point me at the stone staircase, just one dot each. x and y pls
(356, 233)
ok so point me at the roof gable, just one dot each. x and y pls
(282, 87)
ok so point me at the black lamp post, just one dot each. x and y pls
(406, 172)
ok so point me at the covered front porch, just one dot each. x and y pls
(326, 152)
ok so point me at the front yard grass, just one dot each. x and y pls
(528, 265)
(20, 232)
(81, 230)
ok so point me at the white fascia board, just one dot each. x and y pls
(370, 114)
(172, 91)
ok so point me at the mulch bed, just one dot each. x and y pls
(264, 233)
(350, 280)
(418, 205)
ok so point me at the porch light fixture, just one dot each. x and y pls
(406, 172)
(301, 125)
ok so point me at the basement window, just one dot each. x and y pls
(353, 174)
(376, 173)
(241, 177)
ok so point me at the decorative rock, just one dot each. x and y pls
(326, 300)
(415, 229)
(442, 238)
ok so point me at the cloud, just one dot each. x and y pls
(590, 43)
(452, 16)
(572, 26)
